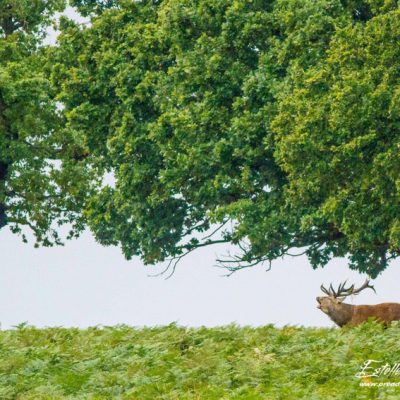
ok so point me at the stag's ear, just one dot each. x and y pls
(340, 299)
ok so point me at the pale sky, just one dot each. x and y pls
(84, 284)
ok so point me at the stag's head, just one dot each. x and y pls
(331, 302)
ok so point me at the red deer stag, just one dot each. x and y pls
(347, 314)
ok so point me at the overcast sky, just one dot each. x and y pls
(85, 284)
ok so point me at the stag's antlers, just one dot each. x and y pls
(365, 285)
(343, 292)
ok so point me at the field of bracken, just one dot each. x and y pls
(174, 362)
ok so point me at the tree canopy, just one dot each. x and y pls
(275, 122)
(42, 183)
(272, 125)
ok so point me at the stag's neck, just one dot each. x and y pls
(342, 314)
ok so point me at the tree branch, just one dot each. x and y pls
(216, 230)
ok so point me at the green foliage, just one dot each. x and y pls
(338, 140)
(27, 16)
(276, 121)
(186, 363)
(87, 7)
(43, 178)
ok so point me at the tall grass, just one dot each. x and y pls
(174, 362)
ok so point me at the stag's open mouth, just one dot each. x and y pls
(319, 303)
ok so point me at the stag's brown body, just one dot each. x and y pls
(347, 314)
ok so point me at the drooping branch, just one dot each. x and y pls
(187, 249)
(248, 258)
(233, 266)
(237, 262)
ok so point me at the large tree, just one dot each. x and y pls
(274, 121)
(42, 182)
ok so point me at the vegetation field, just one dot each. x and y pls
(174, 362)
